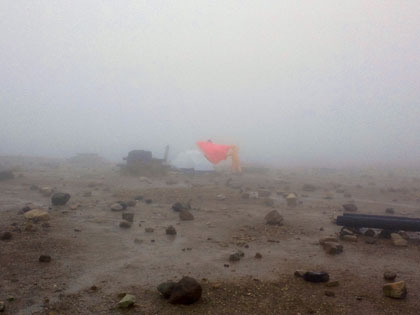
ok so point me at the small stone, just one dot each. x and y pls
(148, 201)
(128, 216)
(350, 207)
(332, 248)
(311, 276)
(149, 230)
(123, 204)
(331, 284)
(329, 293)
(370, 233)
(185, 215)
(37, 215)
(2, 306)
(346, 231)
(390, 275)
(221, 197)
(125, 224)
(60, 199)
(389, 210)
(397, 240)
(234, 257)
(44, 258)
(395, 290)
(138, 198)
(117, 207)
(273, 218)
(127, 301)
(6, 236)
(170, 230)
(258, 256)
(178, 206)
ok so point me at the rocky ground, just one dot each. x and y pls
(92, 256)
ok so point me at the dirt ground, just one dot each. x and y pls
(93, 260)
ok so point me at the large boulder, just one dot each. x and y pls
(273, 218)
(60, 199)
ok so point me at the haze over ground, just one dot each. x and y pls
(331, 83)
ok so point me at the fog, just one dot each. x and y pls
(290, 82)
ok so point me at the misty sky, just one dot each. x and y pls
(291, 82)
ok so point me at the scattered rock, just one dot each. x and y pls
(170, 230)
(221, 197)
(128, 216)
(148, 201)
(258, 256)
(390, 275)
(291, 200)
(2, 306)
(389, 210)
(397, 240)
(178, 206)
(117, 207)
(138, 198)
(131, 203)
(346, 231)
(6, 236)
(273, 218)
(186, 291)
(149, 230)
(331, 284)
(125, 224)
(350, 207)
(127, 301)
(235, 257)
(395, 290)
(332, 248)
(370, 233)
(185, 215)
(60, 199)
(44, 258)
(37, 215)
(311, 276)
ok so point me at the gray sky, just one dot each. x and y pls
(291, 82)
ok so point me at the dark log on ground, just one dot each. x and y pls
(379, 222)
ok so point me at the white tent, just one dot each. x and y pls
(192, 159)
